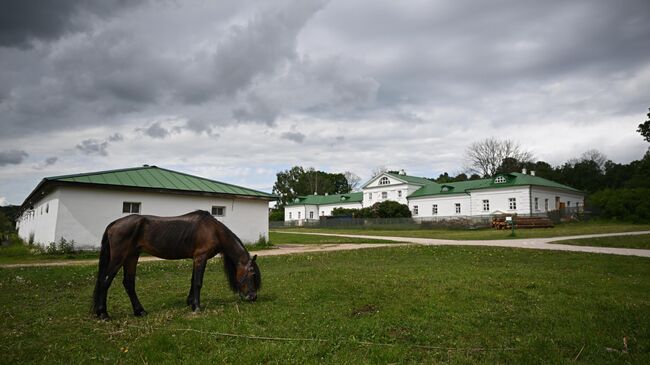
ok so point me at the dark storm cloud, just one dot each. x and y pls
(12, 157)
(293, 136)
(23, 21)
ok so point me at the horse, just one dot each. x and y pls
(197, 235)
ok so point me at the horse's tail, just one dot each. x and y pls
(104, 259)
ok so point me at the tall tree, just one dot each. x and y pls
(484, 157)
(353, 180)
(644, 128)
(297, 181)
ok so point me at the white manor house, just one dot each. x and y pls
(507, 193)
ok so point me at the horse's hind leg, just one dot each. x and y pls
(130, 265)
(190, 296)
(113, 268)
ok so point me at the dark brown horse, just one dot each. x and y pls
(196, 235)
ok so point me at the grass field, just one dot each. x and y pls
(389, 305)
(566, 229)
(641, 241)
(279, 238)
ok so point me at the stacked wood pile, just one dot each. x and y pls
(522, 222)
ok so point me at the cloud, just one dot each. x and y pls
(155, 130)
(25, 21)
(116, 137)
(48, 162)
(293, 136)
(12, 157)
(3, 201)
(93, 147)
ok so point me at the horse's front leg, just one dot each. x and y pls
(197, 281)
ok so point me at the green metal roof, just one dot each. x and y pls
(153, 177)
(410, 179)
(512, 179)
(328, 199)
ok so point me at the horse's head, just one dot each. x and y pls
(249, 279)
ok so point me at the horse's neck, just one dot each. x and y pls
(236, 252)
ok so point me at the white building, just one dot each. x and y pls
(511, 193)
(79, 207)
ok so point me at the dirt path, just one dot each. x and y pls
(531, 243)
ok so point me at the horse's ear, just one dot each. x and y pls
(254, 257)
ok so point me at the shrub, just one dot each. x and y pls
(623, 204)
(62, 247)
(276, 215)
(385, 209)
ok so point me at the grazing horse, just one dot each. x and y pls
(197, 235)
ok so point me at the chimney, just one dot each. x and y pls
(523, 171)
(402, 172)
(532, 172)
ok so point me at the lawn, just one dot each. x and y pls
(18, 253)
(410, 304)
(637, 241)
(565, 229)
(279, 238)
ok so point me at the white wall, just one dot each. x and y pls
(391, 189)
(446, 206)
(41, 221)
(551, 194)
(499, 200)
(316, 210)
(84, 213)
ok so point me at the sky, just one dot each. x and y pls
(237, 91)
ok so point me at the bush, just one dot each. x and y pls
(62, 247)
(276, 215)
(385, 209)
(623, 204)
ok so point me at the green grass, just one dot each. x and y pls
(565, 229)
(20, 253)
(409, 304)
(279, 238)
(641, 241)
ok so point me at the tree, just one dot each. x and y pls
(297, 181)
(484, 157)
(594, 155)
(353, 180)
(644, 128)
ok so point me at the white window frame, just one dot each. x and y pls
(289, 215)
(546, 205)
(399, 193)
(384, 181)
(384, 195)
(311, 215)
(500, 180)
(434, 209)
(458, 208)
(415, 210)
(215, 211)
(369, 196)
(536, 203)
(512, 203)
(130, 206)
(486, 205)
(299, 215)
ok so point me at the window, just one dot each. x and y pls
(130, 207)
(457, 208)
(568, 203)
(311, 215)
(500, 179)
(399, 193)
(299, 215)
(218, 211)
(415, 210)
(546, 204)
(536, 203)
(289, 215)
(486, 205)
(384, 194)
(369, 196)
(47, 208)
(322, 213)
(512, 203)
(384, 181)
(434, 209)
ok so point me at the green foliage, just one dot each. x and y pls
(385, 209)
(11, 213)
(623, 204)
(297, 181)
(276, 215)
(63, 247)
(644, 128)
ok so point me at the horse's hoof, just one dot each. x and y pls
(103, 316)
(196, 310)
(140, 313)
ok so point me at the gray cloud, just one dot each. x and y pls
(93, 147)
(48, 162)
(293, 136)
(12, 157)
(155, 130)
(24, 21)
(116, 137)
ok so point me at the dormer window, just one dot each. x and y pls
(384, 181)
(447, 188)
(500, 179)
